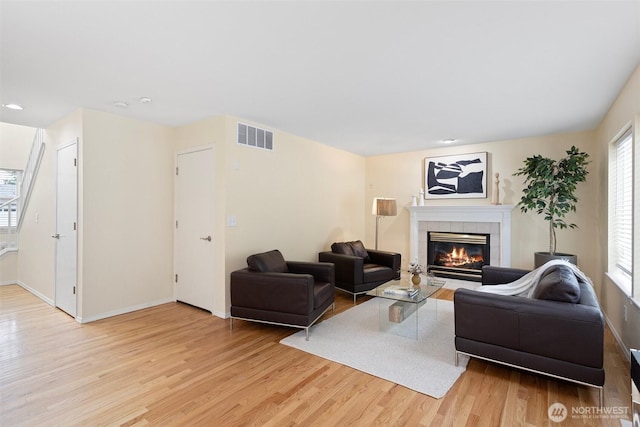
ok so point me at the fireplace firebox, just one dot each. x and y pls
(458, 255)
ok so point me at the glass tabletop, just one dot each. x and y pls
(405, 290)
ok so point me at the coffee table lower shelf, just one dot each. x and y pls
(400, 315)
(400, 310)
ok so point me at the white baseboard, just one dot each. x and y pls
(36, 293)
(105, 315)
(8, 283)
(221, 314)
(626, 351)
(123, 310)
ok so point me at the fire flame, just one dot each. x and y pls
(458, 257)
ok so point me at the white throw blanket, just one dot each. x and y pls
(526, 285)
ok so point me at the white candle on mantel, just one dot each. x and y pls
(421, 200)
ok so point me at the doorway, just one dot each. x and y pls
(66, 228)
(195, 222)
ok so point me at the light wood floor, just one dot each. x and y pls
(175, 365)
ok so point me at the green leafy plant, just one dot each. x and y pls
(550, 187)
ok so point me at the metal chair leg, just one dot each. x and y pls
(601, 396)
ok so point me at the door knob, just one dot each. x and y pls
(208, 238)
(56, 236)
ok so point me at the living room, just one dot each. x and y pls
(299, 198)
(106, 290)
(346, 210)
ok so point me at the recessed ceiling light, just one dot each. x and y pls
(145, 100)
(13, 106)
(448, 141)
(120, 104)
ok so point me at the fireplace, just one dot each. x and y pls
(458, 255)
(494, 220)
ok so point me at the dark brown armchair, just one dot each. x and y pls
(358, 270)
(289, 293)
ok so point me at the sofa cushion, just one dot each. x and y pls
(343, 248)
(558, 284)
(377, 273)
(355, 248)
(358, 249)
(268, 262)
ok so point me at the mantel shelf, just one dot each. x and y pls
(461, 208)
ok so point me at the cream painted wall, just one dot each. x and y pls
(127, 214)
(9, 268)
(15, 144)
(401, 176)
(298, 198)
(625, 111)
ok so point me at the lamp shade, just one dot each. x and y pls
(384, 207)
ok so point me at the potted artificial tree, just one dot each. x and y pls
(550, 187)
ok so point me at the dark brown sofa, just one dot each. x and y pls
(558, 332)
(290, 293)
(358, 270)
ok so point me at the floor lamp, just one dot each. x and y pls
(383, 207)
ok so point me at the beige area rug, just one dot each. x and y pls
(353, 338)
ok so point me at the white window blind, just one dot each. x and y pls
(623, 214)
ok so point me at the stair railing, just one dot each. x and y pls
(29, 174)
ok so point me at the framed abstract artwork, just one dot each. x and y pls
(456, 177)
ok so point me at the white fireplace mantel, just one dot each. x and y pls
(500, 214)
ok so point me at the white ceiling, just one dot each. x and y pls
(368, 77)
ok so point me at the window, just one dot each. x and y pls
(621, 218)
(8, 190)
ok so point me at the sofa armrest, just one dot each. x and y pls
(387, 259)
(482, 317)
(348, 268)
(500, 275)
(321, 271)
(558, 330)
(280, 292)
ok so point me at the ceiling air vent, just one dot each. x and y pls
(255, 137)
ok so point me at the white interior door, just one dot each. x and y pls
(195, 220)
(66, 228)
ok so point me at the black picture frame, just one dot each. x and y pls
(458, 176)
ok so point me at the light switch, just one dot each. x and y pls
(232, 221)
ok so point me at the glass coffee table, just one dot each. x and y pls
(400, 301)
